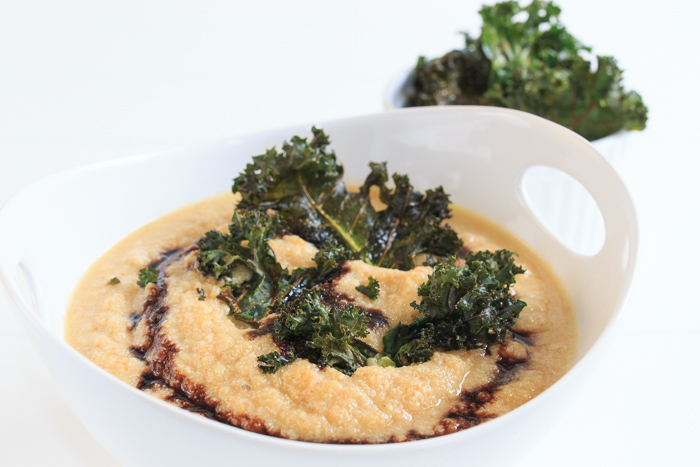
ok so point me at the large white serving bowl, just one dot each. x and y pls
(53, 230)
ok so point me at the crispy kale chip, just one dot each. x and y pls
(322, 333)
(304, 185)
(460, 77)
(461, 307)
(536, 65)
(256, 284)
(273, 361)
(246, 263)
(371, 290)
(147, 275)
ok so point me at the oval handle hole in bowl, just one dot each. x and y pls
(565, 208)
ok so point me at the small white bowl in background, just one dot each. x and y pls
(54, 229)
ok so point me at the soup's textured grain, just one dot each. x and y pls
(211, 360)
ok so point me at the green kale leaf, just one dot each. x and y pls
(525, 59)
(461, 307)
(460, 77)
(320, 332)
(147, 276)
(371, 290)
(273, 361)
(255, 282)
(246, 263)
(304, 185)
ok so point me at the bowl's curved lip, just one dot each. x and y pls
(29, 318)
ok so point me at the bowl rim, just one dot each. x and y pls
(29, 318)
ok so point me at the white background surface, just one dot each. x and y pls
(83, 82)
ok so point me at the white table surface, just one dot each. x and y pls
(82, 82)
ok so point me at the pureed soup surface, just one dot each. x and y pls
(169, 342)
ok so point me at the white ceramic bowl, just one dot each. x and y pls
(53, 230)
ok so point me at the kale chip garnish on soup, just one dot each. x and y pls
(465, 304)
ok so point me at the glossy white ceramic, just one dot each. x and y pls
(53, 230)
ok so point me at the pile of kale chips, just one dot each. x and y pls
(300, 190)
(535, 65)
